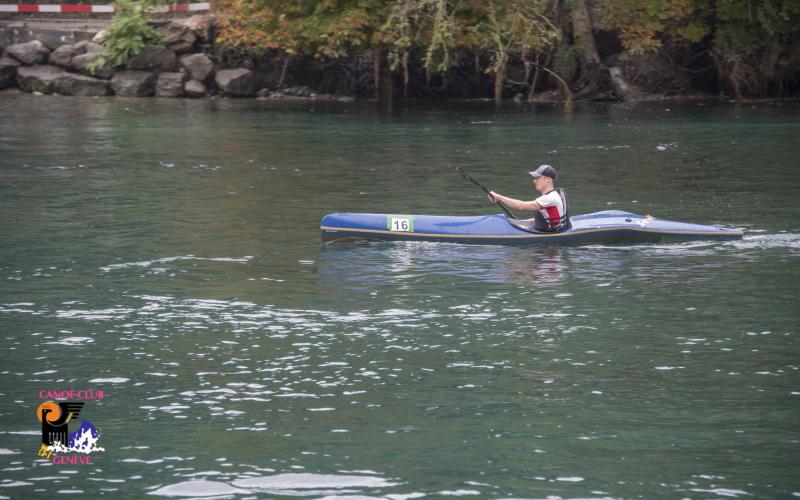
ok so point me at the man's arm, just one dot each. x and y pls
(527, 206)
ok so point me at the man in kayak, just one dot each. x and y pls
(550, 209)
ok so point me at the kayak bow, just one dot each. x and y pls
(606, 227)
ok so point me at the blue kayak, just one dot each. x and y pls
(598, 228)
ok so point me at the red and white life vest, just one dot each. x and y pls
(554, 210)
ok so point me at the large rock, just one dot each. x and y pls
(236, 82)
(29, 53)
(131, 83)
(178, 38)
(193, 88)
(202, 25)
(154, 58)
(63, 55)
(50, 79)
(100, 36)
(38, 78)
(82, 63)
(87, 47)
(170, 84)
(8, 71)
(199, 66)
(72, 84)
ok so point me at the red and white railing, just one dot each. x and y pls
(95, 9)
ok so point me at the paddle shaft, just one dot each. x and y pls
(467, 177)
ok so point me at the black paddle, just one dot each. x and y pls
(467, 177)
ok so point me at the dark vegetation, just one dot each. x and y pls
(526, 49)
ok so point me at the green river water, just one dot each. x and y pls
(167, 253)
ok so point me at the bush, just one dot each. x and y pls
(126, 36)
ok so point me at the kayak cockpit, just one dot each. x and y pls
(530, 226)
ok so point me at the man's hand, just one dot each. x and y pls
(492, 197)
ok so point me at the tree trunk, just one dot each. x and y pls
(406, 77)
(387, 87)
(593, 78)
(500, 78)
(622, 88)
(283, 70)
(376, 72)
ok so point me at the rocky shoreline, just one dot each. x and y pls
(52, 58)
(184, 66)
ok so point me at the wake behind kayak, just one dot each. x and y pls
(606, 227)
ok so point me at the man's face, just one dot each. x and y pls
(540, 183)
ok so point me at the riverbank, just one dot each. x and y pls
(60, 58)
(53, 56)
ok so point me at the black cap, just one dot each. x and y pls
(546, 170)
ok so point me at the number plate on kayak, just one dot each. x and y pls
(400, 223)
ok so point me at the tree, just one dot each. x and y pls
(754, 44)
(514, 30)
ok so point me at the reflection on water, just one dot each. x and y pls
(317, 485)
(364, 266)
(406, 262)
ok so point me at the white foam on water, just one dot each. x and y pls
(723, 492)
(14, 484)
(300, 481)
(73, 341)
(470, 365)
(112, 380)
(166, 260)
(91, 315)
(767, 241)
(197, 488)
(6, 451)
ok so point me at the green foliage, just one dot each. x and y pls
(440, 30)
(747, 27)
(753, 42)
(756, 38)
(642, 24)
(127, 34)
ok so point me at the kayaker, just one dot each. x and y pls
(550, 209)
